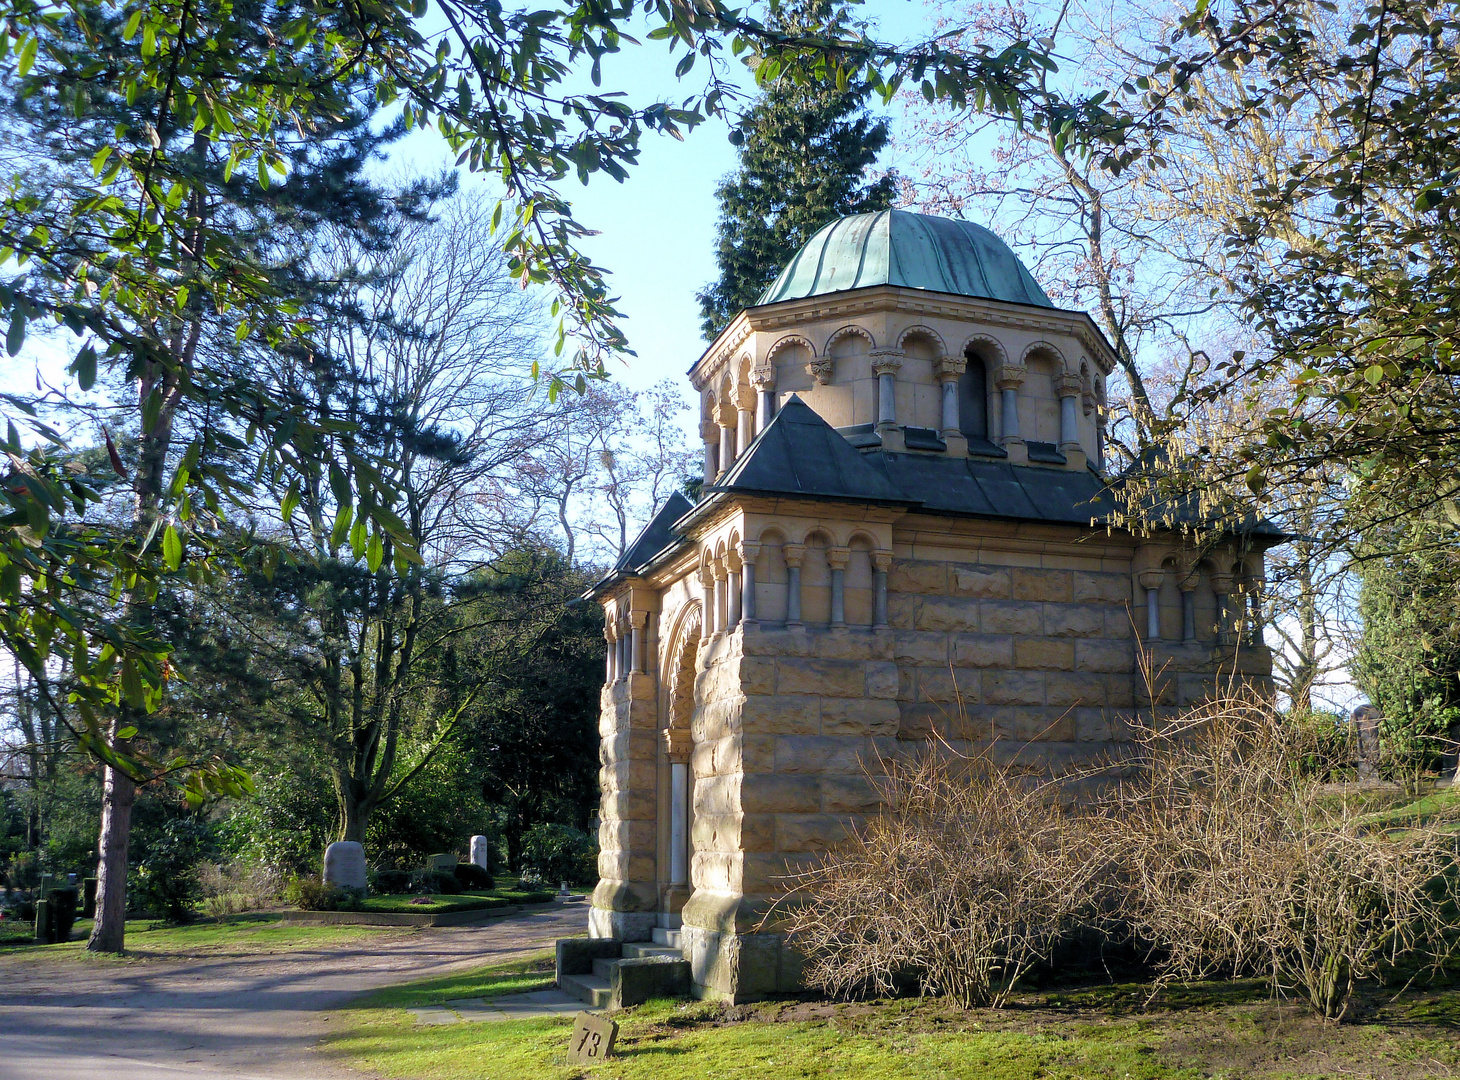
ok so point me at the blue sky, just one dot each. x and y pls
(658, 228)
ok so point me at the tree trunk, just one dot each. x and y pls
(109, 929)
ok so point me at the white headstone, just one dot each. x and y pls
(344, 865)
(481, 852)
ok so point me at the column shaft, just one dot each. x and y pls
(1153, 613)
(950, 406)
(678, 823)
(838, 597)
(727, 447)
(1188, 615)
(879, 598)
(793, 595)
(747, 592)
(1011, 412)
(732, 599)
(765, 403)
(886, 399)
(1069, 429)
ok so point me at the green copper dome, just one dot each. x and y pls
(915, 251)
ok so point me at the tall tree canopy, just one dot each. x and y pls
(805, 149)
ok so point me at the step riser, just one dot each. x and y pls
(652, 950)
(671, 938)
(589, 989)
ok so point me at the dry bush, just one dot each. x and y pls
(233, 888)
(1233, 861)
(971, 874)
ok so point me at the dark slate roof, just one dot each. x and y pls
(653, 538)
(799, 453)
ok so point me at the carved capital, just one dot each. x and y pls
(837, 557)
(745, 398)
(1010, 377)
(748, 550)
(1222, 584)
(1087, 401)
(763, 376)
(881, 560)
(885, 361)
(820, 369)
(793, 553)
(1067, 385)
(950, 367)
(638, 618)
(1151, 579)
(678, 744)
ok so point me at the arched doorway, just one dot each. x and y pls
(676, 785)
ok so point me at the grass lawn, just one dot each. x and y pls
(1218, 1029)
(250, 933)
(404, 903)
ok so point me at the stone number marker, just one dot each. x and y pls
(593, 1038)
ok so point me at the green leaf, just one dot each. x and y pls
(129, 31)
(291, 500)
(375, 554)
(16, 337)
(357, 537)
(84, 368)
(172, 548)
(1374, 374)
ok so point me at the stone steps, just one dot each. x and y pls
(592, 990)
(610, 974)
(639, 948)
(671, 938)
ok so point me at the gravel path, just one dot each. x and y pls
(233, 1015)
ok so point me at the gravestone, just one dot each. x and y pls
(1366, 725)
(481, 852)
(593, 1038)
(446, 863)
(344, 865)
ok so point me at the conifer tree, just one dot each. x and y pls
(805, 149)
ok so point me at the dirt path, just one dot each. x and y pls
(227, 1014)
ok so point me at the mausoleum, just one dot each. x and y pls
(905, 529)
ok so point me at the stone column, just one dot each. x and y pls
(637, 619)
(949, 369)
(836, 558)
(1068, 388)
(721, 608)
(793, 553)
(624, 660)
(677, 747)
(748, 551)
(1151, 582)
(1010, 378)
(727, 448)
(712, 459)
(609, 654)
(881, 563)
(1222, 586)
(732, 589)
(764, 381)
(744, 419)
(886, 363)
(707, 603)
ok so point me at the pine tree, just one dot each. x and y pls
(804, 153)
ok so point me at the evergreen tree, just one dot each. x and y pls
(185, 375)
(805, 149)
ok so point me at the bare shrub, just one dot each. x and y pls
(233, 888)
(1234, 861)
(970, 875)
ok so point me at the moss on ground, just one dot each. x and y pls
(1213, 1029)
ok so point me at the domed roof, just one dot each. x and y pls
(915, 251)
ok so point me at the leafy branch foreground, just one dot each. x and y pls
(1209, 853)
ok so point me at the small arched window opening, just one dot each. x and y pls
(973, 418)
